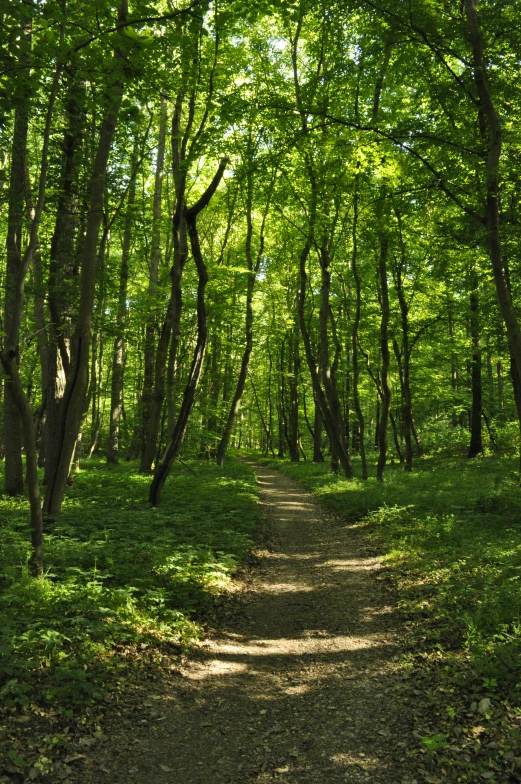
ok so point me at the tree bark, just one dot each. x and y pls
(13, 480)
(253, 269)
(476, 440)
(177, 437)
(118, 369)
(385, 353)
(9, 355)
(493, 138)
(354, 336)
(73, 403)
(153, 279)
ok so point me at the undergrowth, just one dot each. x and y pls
(453, 531)
(450, 533)
(120, 577)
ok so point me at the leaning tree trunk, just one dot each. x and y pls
(73, 403)
(177, 437)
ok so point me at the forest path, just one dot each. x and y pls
(298, 684)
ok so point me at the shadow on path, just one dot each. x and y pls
(298, 684)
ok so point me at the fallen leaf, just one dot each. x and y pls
(73, 758)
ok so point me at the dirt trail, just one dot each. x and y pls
(300, 681)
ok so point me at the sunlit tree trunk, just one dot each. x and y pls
(73, 403)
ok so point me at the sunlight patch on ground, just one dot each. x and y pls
(297, 647)
(287, 588)
(351, 564)
(350, 760)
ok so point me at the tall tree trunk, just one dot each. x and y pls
(177, 437)
(253, 269)
(153, 278)
(293, 373)
(339, 446)
(9, 355)
(116, 393)
(493, 138)
(476, 441)
(331, 426)
(385, 353)
(73, 403)
(13, 481)
(354, 336)
(62, 271)
(170, 331)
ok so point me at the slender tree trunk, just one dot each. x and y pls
(73, 403)
(354, 336)
(215, 387)
(118, 352)
(253, 268)
(179, 431)
(13, 480)
(9, 355)
(176, 439)
(293, 368)
(170, 331)
(318, 455)
(338, 444)
(153, 279)
(476, 440)
(118, 370)
(385, 353)
(334, 434)
(95, 394)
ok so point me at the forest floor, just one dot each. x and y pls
(372, 635)
(300, 680)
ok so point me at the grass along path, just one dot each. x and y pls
(300, 680)
(123, 594)
(450, 537)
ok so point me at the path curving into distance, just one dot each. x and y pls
(299, 682)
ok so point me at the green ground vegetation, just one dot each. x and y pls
(450, 534)
(451, 530)
(119, 578)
